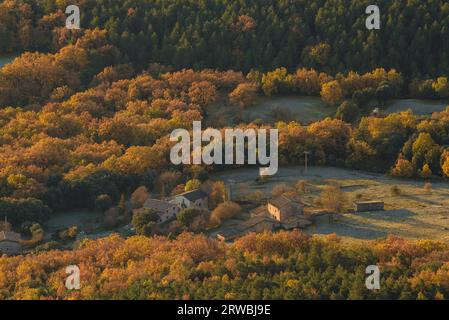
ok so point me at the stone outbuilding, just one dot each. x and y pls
(10, 242)
(367, 206)
(284, 207)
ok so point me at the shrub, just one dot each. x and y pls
(144, 221)
(280, 189)
(67, 234)
(224, 211)
(111, 217)
(301, 186)
(103, 202)
(186, 216)
(192, 184)
(333, 199)
(347, 112)
(139, 196)
(395, 191)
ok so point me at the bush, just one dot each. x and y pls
(139, 196)
(110, 219)
(192, 185)
(224, 211)
(333, 199)
(103, 202)
(395, 191)
(68, 234)
(186, 216)
(403, 169)
(301, 186)
(51, 245)
(280, 189)
(20, 210)
(37, 235)
(347, 112)
(144, 221)
(426, 172)
(428, 187)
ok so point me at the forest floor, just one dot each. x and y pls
(415, 213)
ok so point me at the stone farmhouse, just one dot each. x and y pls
(255, 224)
(168, 209)
(285, 211)
(192, 199)
(9, 241)
(284, 207)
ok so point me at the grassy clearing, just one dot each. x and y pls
(73, 218)
(4, 59)
(415, 213)
(301, 108)
(418, 107)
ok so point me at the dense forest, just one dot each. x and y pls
(70, 143)
(328, 35)
(286, 265)
(78, 123)
(85, 118)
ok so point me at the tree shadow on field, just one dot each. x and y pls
(388, 215)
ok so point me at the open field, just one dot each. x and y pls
(7, 58)
(89, 223)
(73, 218)
(414, 214)
(292, 107)
(303, 109)
(300, 108)
(419, 107)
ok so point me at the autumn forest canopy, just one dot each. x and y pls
(329, 35)
(85, 118)
(287, 265)
(86, 113)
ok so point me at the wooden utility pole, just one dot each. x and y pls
(306, 155)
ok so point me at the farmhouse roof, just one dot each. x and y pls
(9, 236)
(244, 227)
(261, 210)
(368, 202)
(294, 222)
(253, 222)
(157, 205)
(194, 195)
(283, 200)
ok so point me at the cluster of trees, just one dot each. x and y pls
(147, 222)
(25, 27)
(85, 119)
(34, 78)
(430, 88)
(68, 148)
(241, 35)
(407, 144)
(284, 265)
(378, 84)
(112, 137)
